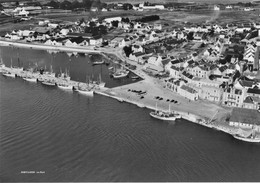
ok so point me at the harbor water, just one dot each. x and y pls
(47, 134)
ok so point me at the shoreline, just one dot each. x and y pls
(186, 114)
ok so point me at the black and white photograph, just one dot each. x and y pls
(130, 91)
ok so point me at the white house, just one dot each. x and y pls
(216, 8)
(109, 20)
(155, 60)
(188, 92)
(95, 41)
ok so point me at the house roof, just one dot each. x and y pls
(253, 91)
(138, 54)
(246, 83)
(188, 89)
(243, 115)
(188, 75)
(249, 100)
(223, 68)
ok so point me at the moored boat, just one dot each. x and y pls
(165, 115)
(135, 77)
(30, 79)
(98, 62)
(120, 74)
(64, 86)
(49, 82)
(169, 115)
(85, 91)
(9, 74)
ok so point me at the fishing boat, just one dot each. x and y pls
(169, 116)
(64, 76)
(64, 86)
(134, 77)
(98, 62)
(249, 136)
(30, 79)
(44, 74)
(120, 74)
(9, 74)
(84, 90)
(49, 82)
(17, 69)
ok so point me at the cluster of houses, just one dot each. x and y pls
(198, 75)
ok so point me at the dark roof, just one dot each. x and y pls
(249, 100)
(246, 83)
(176, 61)
(188, 75)
(253, 91)
(243, 115)
(189, 89)
(138, 54)
(223, 68)
(77, 40)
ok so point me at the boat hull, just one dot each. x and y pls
(30, 79)
(120, 76)
(48, 83)
(171, 118)
(84, 92)
(11, 75)
(253, 140)
(65, 87)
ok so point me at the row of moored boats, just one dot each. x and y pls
(48, 78)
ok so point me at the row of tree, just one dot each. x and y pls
(68, 5)
(148, 18)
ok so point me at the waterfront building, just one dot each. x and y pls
(155, 60)
(233, 97)
(188, 92)
(137, 48)
(210, 93)
(94, 41)
(199, 71)
(138, 57)
(174, 71)
(187, 76)
(245, 118)
(118, 42)
(255, 92)
(249, 103)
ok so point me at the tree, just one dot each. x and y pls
(53, 4)
(190, 36)
(81, 20)
(66, 5)
(126, 20)
(127, 6)
(115, 23)
(128, 50)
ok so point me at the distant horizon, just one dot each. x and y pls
(156, 1)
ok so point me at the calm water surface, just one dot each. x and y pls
(76, 138)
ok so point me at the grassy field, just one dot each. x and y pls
(174, 19)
